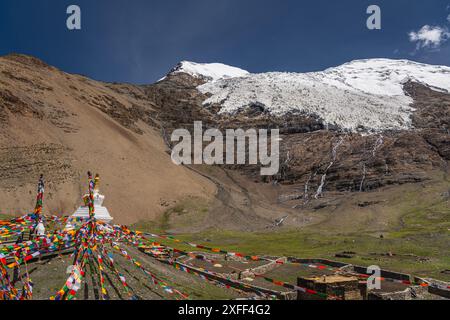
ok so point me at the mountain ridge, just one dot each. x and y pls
(365, 160)
(359, 95)
(62, 125)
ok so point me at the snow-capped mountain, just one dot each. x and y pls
(360, 95)
(59, 111)
(209, 71)
(356, 127)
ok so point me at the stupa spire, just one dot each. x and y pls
(93, 203)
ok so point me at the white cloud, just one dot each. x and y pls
(448, 18)
(429, 37)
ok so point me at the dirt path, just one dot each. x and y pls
(234, 207)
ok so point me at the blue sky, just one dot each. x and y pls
(138, 41)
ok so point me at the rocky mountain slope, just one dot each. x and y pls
(329, 169)
(62, 125)
(357, 127)
(360, 127)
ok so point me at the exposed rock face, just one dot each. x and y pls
(316, 157)
(20, 165)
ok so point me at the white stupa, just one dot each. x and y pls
(101, 212)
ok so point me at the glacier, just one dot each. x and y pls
(362, 95)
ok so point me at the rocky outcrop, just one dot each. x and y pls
(319, 158)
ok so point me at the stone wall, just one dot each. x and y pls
(263, 269)
(412, 293)
(239, 285)
(336, 286)
(331, 263)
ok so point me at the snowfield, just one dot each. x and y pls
(209, 71)
(384, 76)
(362, 95)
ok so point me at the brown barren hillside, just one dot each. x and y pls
(62, 125)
